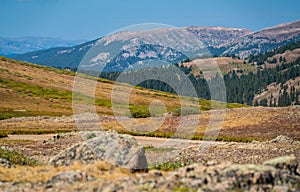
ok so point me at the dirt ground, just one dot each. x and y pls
(254, 123)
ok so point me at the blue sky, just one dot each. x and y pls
(89, 19)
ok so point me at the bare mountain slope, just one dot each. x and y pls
(264, 40)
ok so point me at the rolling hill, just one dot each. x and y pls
(31, 90)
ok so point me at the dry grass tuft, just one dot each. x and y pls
(99, 170)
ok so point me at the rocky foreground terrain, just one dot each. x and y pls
(108, 161)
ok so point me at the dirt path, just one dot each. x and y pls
(144, 141)
(171, 143)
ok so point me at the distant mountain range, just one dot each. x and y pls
(22, 45)
(122, 50)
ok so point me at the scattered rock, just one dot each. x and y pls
(117, 149)
(255, 142)
(288, 163)
(78, 152)
(220, 177)
(5, 163)
(247, 175)
(273, 175)
(283, 140)
(67, 176)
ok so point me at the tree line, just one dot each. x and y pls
(240, 87)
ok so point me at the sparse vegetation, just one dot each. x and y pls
(9, 114)
(36, 91)
(17, 158)
(148, 147)
(3, 134)
(167, 166)
(186, 111)
(139, 112)
(262, 58)
(91, 135)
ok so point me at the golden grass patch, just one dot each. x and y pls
(98, 169)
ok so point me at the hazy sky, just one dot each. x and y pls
(89, 19)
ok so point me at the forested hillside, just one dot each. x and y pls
(247, 87)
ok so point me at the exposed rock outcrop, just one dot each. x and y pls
(117, 149)
(284, 140)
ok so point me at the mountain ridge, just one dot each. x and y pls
(191, 41)
(264, 40)
(20, 45)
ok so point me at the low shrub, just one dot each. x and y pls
(3, 134)
(10, 114)
(186, 111)
(149, 147)
(139, 112)
(167, 166)
(17, 158)
(91, 136)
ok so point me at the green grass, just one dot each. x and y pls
(7, 113)
(17, 158)
(167, 166)
(206, 105)
(139, 112)
(103, 103)
(183, 189)
(91, 135)
(186, 111)
(50, 93)
(3, 134)
(36, 91)
(10, 114)
(235, 105)
(149, 147)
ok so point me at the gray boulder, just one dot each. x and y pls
(117, 149)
